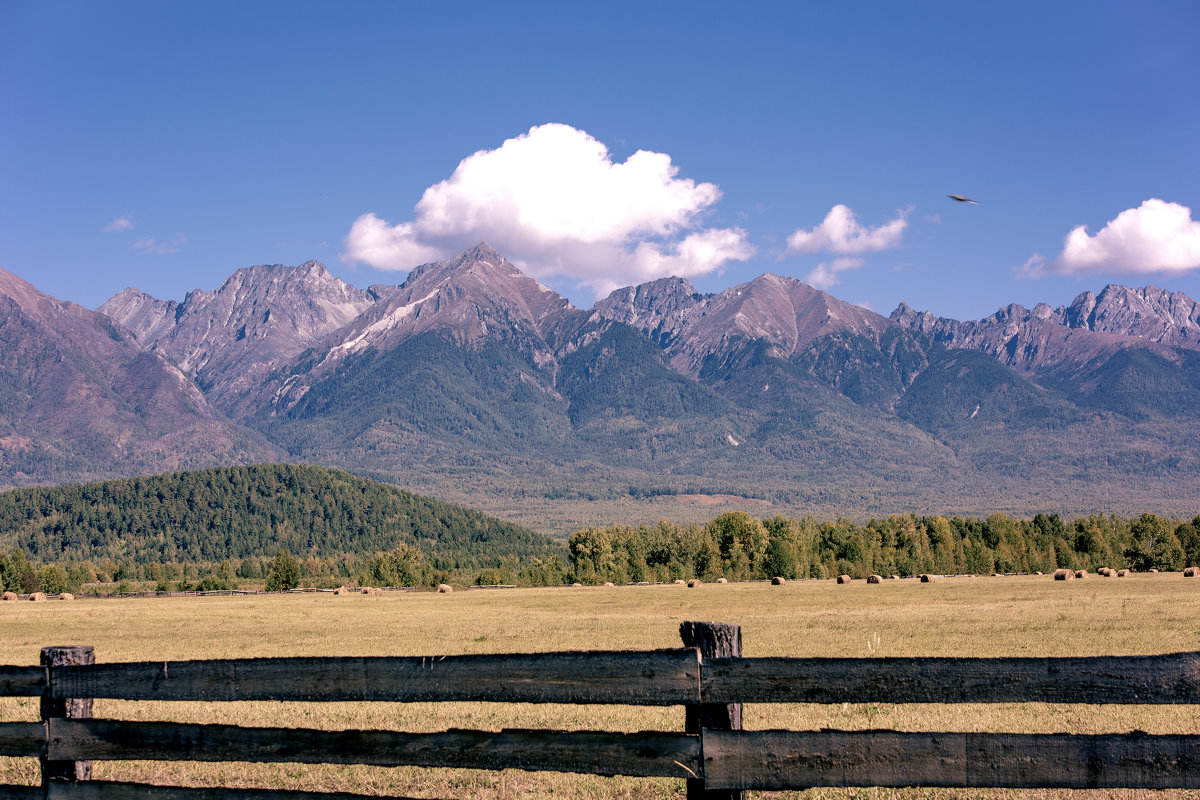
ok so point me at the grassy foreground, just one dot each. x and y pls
(1010, 616)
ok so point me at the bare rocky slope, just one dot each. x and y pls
(229, 339)
(81, 399)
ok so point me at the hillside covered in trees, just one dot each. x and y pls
(248, 514)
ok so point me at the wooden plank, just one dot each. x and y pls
(797, 760)
(10, 791)
(664, 677)
(647, 754)
(22, 739)
(22, 681)
(112, 790)
(1163, 679)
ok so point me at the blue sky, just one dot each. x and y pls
(164, 145)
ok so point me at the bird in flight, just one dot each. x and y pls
(962, 199)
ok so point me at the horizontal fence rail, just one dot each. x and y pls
(110, 790)
(660, 677)
(22, 681)
(787, 759)
(1128, 680)
(651, 754)
(708, 678)
(22, 739)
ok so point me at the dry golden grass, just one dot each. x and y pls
(1016, 616)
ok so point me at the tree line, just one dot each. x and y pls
(735, 546)
(738, 546)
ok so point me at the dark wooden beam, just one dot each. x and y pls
(647, 754)
(663, 677)
(1163, 679)
(789, 760)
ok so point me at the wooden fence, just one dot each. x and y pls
(707, 675)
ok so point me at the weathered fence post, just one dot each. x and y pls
(65, 708)
(714, 640)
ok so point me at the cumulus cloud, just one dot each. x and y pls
(1155, 237)
(825, 274)
(160, 248)
(122, 223)
(841, 233)
(555, 203)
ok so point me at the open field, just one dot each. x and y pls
(1009, 616)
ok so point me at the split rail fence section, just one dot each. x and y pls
(707, 676)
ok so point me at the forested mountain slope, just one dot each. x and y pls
(241, 512)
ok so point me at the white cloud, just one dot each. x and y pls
(840, 233)
(1155, 237)
(825, 274)
(160, 248)
(122, 223)
(554, 202)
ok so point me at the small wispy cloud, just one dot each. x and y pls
(825, 275)
(156, 247)
(841, 233)
(1155, 237)
(122, 223)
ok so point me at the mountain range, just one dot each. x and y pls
(473, 382)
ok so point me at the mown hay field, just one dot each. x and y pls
(981, 616)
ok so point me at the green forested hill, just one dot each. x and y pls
(243, 512)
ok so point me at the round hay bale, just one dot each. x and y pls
(1105, 571)
(445, 588)
(1122, 573)
(1153, 572)
(66, 596)
(1190, 572)
(927, 578)
(895, 577)
(874, 579)
(37, 597)
(1064, 575)
(722, 580)
(341, 590)
(1081, 573)
(843, 578)
(8, 596)
(609, 584)
(778, 581)
(694, 582)
(577, 585)
(681, 582)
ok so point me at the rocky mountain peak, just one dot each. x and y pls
(782, 311)
(479, 282)
(659, 308)
(474, 295)
(1147, 313)
(228, 338)
(1079, 313)
(921, 321)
